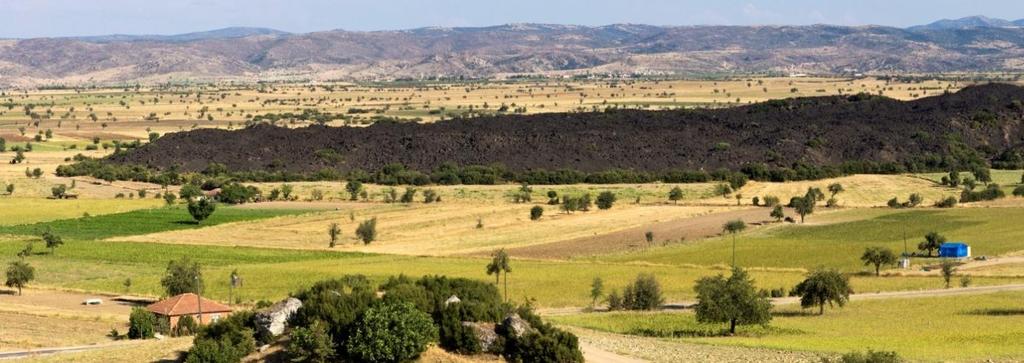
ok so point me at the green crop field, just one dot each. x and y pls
(989, 231)
(957, 328)
(139, 222)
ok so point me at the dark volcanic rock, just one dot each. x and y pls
(819, 130)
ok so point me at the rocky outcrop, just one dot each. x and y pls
(516, 326)
(485, 334)
(274, 319)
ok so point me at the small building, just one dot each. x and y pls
(954, 250)
(203, 311)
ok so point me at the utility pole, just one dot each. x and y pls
(199, 299)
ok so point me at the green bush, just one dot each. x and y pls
(536, 212)
(869, 357)
(454, 336)
(224, 341)
(311, 344)
(1019, 191)
(544, 344)
(605, 200)
(391, 333)
(186, 326)
(643, 294)
(141, 324)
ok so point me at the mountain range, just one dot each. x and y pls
(252, 54)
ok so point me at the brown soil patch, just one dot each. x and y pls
(685, 229)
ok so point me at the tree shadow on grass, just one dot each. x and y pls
(8, 292)
(996, 312)
(190, 223)
(795, 313)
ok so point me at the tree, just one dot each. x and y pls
(334, 231)
(201, 209)
(734, 227)
(182, 276)
(824, 286)
(954, 178)
(311, 344)
(10, 189)
(596, 290)
(430, 196)
(552, 197)
(169, 198)
(835, 188)
(367, 230)
(878, 256)
(286, 191)
(778, 213)
(524, 194)
(803, 206)
(731, 300)
(723, 189)
(58, 191)
(536, 212)
(948, 269)
(391, 333)
(234, 282)
(675, 194)
(19, 274)
(982, 174)
(915, 200)
(643, 294)
(500, 264)
(932, 242)
(605, 200)
(52, 241)
(141, 324)
(190, 191)
(408, 195)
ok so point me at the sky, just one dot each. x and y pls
(52, 18)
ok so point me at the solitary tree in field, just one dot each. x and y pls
(182, 276)
(948, 269)
(19, 274)
(367, 231)
(353, 187)
(201, 209)
(734, 227)
(731, 300)
(778, 213)
(234, 282)
(500, 265)
(52, 241)
(536, 212)
(803, 206)
(878, 256)
(596, 290)
(334, 231)
(675, 195)
(723, 189)
(605, 200)
(824, 286)
(932, 242)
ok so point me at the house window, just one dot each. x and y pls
(214, 318)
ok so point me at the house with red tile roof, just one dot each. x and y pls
(203, 311)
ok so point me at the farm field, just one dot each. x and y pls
(990, 231)
(982, 326)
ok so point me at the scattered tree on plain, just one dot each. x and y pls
(778, 213)
(596, 290)
(824, 286)
(500, 264)
(605, 200)
(536, 212)
(19, 274)
(182, 276)
(201, 209)
(732, 300)
(948, 268)
(878, 256)
(675, 195)
(353, 187)
(932, 242)
(334, 231)
(367, 231)
(52, 241)
(734, 227)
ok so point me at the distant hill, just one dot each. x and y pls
(979, 124)
(969, 22)
(224, 33)
(251, 54)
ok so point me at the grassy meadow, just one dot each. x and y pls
(981, 326)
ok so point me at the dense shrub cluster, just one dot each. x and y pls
(991, 192)
(346, 317)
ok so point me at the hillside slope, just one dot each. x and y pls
(978, 123)
(260, 54)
